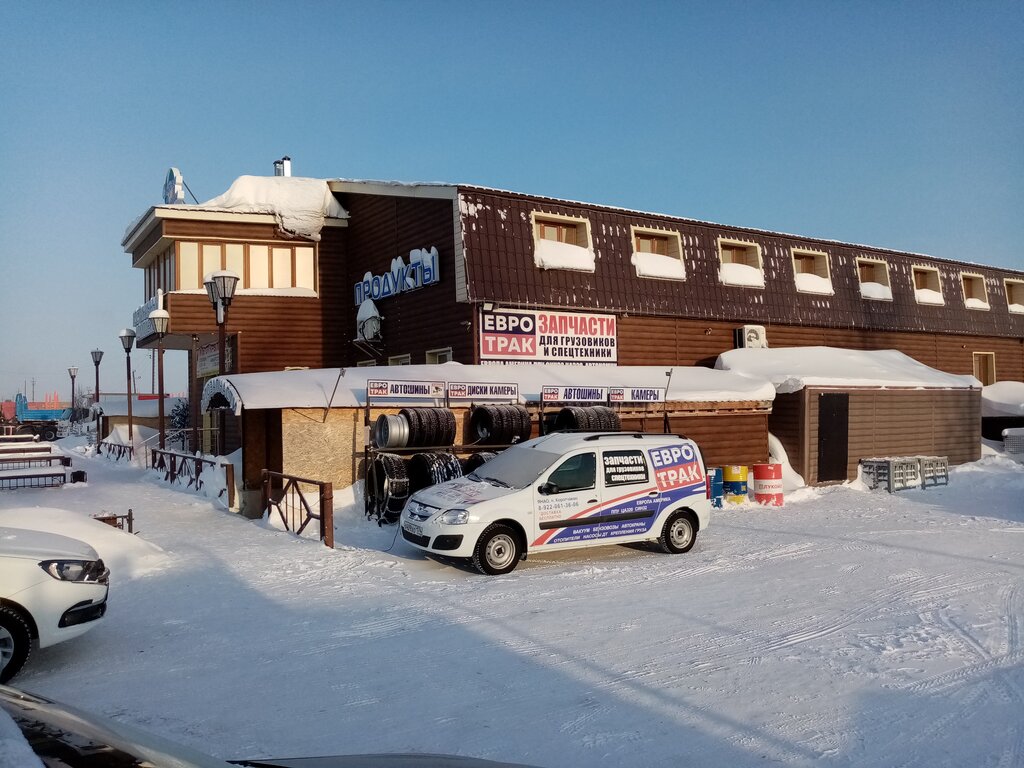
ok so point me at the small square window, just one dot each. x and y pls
(927, 286)
(439, 355)
(740, 263)
(400, 360)
(657, 253)
(1015, 295)
(874, 279)
(811, 271)
(975, 292)
(562, 242)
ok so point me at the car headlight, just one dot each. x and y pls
(76, 570)
(454, 517)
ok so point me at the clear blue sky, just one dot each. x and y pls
(898, 124)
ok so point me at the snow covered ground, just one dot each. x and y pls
(849, 628)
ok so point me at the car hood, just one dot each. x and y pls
(21, 542)
(460, 491)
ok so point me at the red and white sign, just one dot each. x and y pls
(536, 336)
(675, 467)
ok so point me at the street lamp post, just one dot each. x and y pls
(127, 337)
(161, 319)
(72, 372)
(97, 355)
(220, 287)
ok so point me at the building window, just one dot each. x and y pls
(985, 367)
(366, 363)
(277, 268)
(439, 355)
(874, 279)
(740, 263)
(811, 271)
(562, 242)
(1014, 295)
(657, 253)
(927, 285)
(975, 292)
(400, 360)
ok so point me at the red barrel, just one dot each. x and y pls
(767, 485)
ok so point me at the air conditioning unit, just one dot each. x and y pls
(751, 337)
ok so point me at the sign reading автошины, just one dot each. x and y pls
(532, 336)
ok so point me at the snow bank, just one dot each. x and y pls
(658, 265)
(791, 369)
(791, 479)
(346, 387)
(300, 205)
(870, 290)
(1004, 398)
(973, 303)
(808, 282)
(549, 254)
(928, 296)
(126, 556)
(143, 409)
(14, 749)
(1019, 308)
(741, 274)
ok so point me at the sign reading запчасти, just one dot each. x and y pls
(524, 335)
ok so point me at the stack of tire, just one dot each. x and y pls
(387, 488)
(499, 425)
(415, 428)
(426, 469)
(596, 418)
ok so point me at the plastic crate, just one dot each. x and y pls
(892, 474)
(1013, 443)
(934, 470)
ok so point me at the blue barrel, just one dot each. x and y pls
(717, 486)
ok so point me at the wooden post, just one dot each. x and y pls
(327, 514)
(264, 490)
(229, 480)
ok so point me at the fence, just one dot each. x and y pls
(186, 470)
(115, 451)
(285, 494)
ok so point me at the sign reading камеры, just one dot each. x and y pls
(536, 336)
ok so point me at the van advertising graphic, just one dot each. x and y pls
(523, 335)
(676, 467)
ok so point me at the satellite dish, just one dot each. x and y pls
(369, 329)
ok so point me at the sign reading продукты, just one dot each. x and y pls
(420, 271)
(433, 390)
(522, 335)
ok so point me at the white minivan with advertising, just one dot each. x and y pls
(562, 491)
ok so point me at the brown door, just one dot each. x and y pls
(833, 435)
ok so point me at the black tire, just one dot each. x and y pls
(448, 427)
(498, 550)
(572, 418)
(476, 461)
(15, 643)
(519, 424)
(679, 533)
(412, 416)
(431, 427)
(387, 487)
(427, 469)
(49, 434)
(482, 424)
(606, 419)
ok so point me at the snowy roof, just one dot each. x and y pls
(346, 387)
(1004, 398)
(792, 368)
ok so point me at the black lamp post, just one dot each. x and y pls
(72, 372)
(97, 355)
(161, 319)
(220, 287)
(127, 337)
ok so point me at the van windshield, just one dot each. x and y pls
(515, 467)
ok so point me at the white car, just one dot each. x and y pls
(562, 491)
(52, 588)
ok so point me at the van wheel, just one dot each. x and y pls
(679, 533)
(497, 551)
(15, 643)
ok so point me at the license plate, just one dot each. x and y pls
(413, 528)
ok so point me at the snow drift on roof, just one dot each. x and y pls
(1004, 398)
(300, 205)
(346, 387)
(793, 368)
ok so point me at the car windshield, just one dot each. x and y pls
(516, 467)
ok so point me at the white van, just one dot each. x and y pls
(562, 491)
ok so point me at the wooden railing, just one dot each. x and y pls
(189, 471)
(296, 507)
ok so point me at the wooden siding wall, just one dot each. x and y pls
(904, 423)
(678, 341)
(786, 422)
(730, 438)
(500, 266)
(382, 228)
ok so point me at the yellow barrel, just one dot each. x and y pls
(735, 483)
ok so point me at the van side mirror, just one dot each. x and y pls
(546, 489)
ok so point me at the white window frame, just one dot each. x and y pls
(938, 281)
(875, 261)
(365, 363)
(400, 360)
(964, 277)
(675, 249)
(436, 352)
(819, 256)
(1014, 289)
(747, 245)
(536, 217)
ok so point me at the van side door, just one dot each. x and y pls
(631, 498)
(566, 501)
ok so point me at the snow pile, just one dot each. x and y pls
(658, 265)
(141, 409)
(1004, 398)
(973, 303)
(732, 273)
(1019, 308)
(300, 205)
(314, 388)
(791, 369)
(791, 479)
(14, 749)
(126, 556)
(550, 254)
(928, 296)
(808, 282)
(870, 290)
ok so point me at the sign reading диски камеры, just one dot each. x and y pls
(531, 336)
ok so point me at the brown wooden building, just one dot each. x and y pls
(480, 275)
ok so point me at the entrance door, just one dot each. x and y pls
(833, 435)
